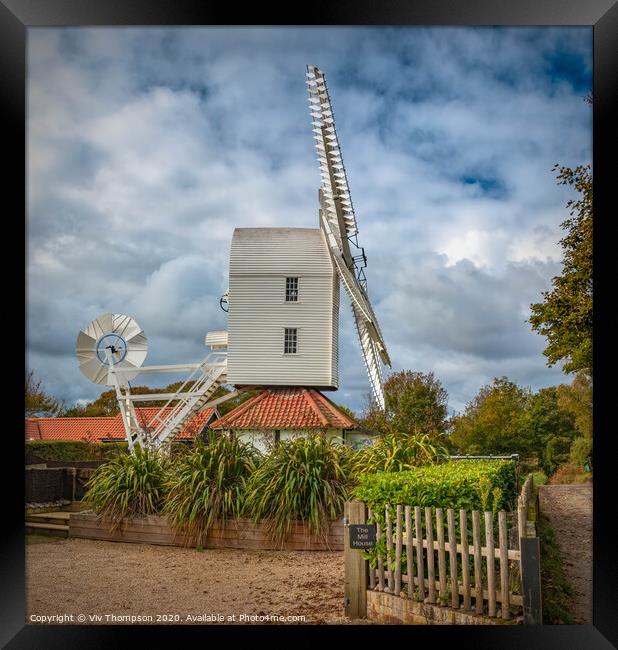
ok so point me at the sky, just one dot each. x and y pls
(148, 146)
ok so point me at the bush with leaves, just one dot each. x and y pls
(129, 485)
(488, 485)
(396, 452)
(568, 473)
(207, 484)
(581, 451)
(75, 449)
(469, 484)
(302, 479)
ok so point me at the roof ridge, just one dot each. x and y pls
(311, 400)
(239, 410)
(332, 407)
(79, 417)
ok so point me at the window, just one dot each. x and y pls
(290, 340)
(291, 290)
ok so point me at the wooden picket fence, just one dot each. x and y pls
(493, 558)
(425, 574)
(523, 505)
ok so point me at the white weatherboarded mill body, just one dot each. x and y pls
(283, 319)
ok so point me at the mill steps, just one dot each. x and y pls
(49, 523)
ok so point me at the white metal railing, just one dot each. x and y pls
(168, 419)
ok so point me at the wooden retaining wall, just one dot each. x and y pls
(244, 534)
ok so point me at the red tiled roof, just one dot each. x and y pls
(104, 428)
(286, 408)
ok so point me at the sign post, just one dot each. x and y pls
(357, 536)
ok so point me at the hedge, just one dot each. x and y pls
(469, 484)
(73, 449)
(81, 450)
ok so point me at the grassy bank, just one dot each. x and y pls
(557, 591)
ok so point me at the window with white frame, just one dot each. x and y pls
(291, 289)
(290, 340)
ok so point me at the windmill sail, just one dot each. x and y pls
(339, 224)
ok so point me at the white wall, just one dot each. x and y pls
(264, 440)
(260, 261)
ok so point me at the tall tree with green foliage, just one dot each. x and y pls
(565, 315)
(415, 403)
(505, 418)
(576, 398)
(39, 403)
(492, 421)
(548, 430)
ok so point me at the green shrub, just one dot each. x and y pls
(487, 485)
(397, 452)
(581, 451)
(454, 484)
(557, 590)
(74, 449)
(303, 479)
(569, 473)
(538, 478)
(207, 484)
(129, 485)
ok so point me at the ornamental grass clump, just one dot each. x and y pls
(397, 452)
(303, 479)
(207, 485)
(129, 485)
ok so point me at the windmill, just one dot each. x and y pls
(282, 304)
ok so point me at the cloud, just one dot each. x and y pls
(148, 146)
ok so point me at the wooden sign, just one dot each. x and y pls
(362, 536)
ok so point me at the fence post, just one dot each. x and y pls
(531, 580)
(355, 567)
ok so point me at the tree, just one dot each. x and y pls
(548, 429)
(38, 403)
(504, 418)
(232, 403)
(349, 412)
(107, 404)
(414, 403)
(565, 315)
(492, 421)
(576, 398)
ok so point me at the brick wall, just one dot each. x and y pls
(387, 608)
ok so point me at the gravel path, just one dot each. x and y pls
(76, 576)
(569, 510)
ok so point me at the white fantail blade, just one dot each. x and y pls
(118, 333)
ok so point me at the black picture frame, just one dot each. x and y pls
(16, 16)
